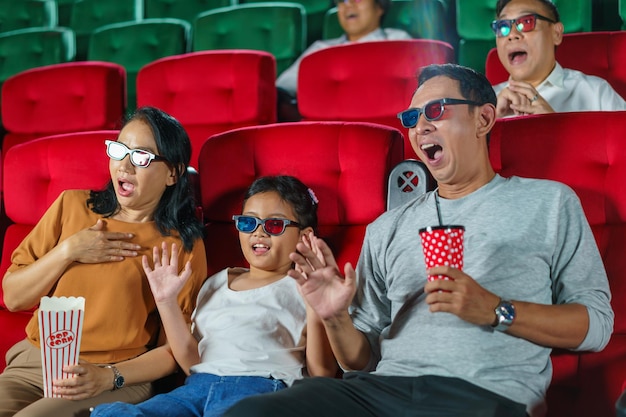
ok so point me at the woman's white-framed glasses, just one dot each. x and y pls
(138, 157)
(272, 226)
(433, 110)
(526, 23)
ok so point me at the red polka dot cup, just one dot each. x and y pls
(442, 245)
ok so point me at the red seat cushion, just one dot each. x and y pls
(211, 91)
(62, 98)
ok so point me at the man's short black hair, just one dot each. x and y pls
(472, 84)
(553, 12)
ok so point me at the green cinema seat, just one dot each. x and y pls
(275, 27)
(88, 15)
(315, 12)
(29, 48)
(135, 44)
(181, 9)
(26, 14)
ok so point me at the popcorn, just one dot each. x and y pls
(60, 330)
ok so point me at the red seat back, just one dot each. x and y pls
(210, 92)
(557, 147)
(366, 81)
(346, 165)
(602, 54)
(35, 173)
(63, 98)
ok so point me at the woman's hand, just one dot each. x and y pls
(93, 245)
(24, 287)
(88, 381)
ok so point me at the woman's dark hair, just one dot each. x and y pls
(291, 190)
(176, 209)
(472, 84)
(550, 7)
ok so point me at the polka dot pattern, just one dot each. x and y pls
(442, 246)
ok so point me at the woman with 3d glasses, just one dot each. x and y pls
(252, 332)
(90, 244)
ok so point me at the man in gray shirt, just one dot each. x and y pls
(478, 343)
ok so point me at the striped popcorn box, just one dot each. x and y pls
(60, 329)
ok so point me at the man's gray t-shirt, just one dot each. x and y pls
(525, 240)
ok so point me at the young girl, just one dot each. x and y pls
(251, 332)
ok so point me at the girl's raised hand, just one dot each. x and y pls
(165, 280)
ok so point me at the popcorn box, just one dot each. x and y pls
(60, 330)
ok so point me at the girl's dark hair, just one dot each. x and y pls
(176, 209)
(291, 190)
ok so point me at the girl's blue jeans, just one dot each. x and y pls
(202, 395)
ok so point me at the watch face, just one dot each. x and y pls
(119, 381)
(507, 312)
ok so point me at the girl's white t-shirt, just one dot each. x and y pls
(255, 332)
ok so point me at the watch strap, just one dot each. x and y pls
(118, 379)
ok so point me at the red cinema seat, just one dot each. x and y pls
(346, 164)
(210, 92)
(555, 146)
(54, 164)
(602, 54)
(62, 98)
(366, 81)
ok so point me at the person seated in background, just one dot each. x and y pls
(532, 280)
(527, 34)
(361, 21)
(251, 331)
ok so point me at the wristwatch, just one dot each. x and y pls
(118, 379)
(505, 315)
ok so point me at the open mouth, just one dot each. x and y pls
(432, 150)
(125, 188)
(517, 56)
(260, 249)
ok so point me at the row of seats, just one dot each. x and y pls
(127, 31)
(214, 91)
(240, 89)
(421, 18)
(36, 101)
(276, 27)
(340, 160)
